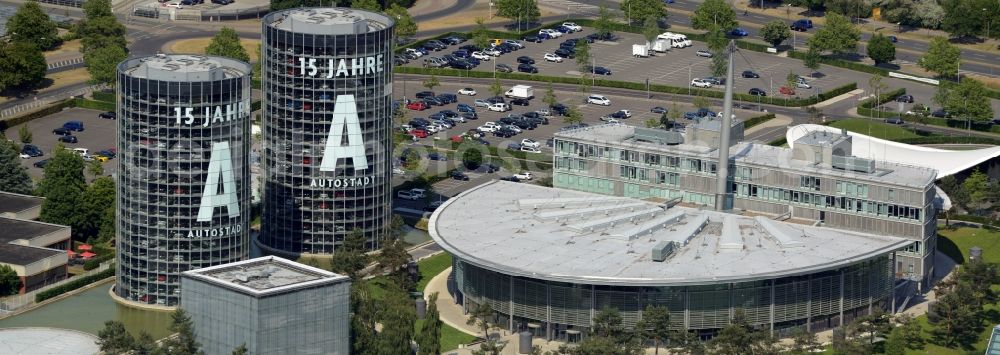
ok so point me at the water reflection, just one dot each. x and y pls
(87, 312)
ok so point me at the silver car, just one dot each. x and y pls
(704, 53)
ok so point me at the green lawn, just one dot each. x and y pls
(874, 128)
(432, 266)
(450, 337)
(956, 244)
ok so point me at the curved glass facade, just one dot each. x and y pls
(556, 309)
(184, 177)
(327, 81)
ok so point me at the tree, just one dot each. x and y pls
(964, 18)
(942, 58)
(550, 98)
(967, 100)
(31, 25)
(910, 332)
(928, 13)
(652, 123)
(102, 63)
(472, 159)
(184, 342)
(364, 318)
(714, 14)
(107, 229)
(811, 59)
(804, 342)
(674, 113)
(980, 275)
(95, 168)
(431, 82)
(24, 134)
(655, 325)
(775, 32)
(13, 176)
(605, 23)
(650, 29)
(480, 317)
(735, 338)
(643, 10)
(405, 26)
(522, 11)
(875, 324)
(370, 5)
(790, 80)
(717, 43)
(114, 339)
(10, 283)
(954, 316)
(609, 336)
(894, 345)
(815, 114)
(496, 88)
(241, 350)
(583, 56)
(397, 314)
(838, 36)
(573, 116)
(430, 334)
(226, 43)
(145, 345)
(100, 28)
(349, 258)
(97, 8)
(393, 258)
(95, 201)
(881, 49)
(63, 186)
(479, 34)
(22, 66)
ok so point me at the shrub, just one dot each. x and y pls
(96, 262)
(104, 96)
(75, 284)
(757, 120)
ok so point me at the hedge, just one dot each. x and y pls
(94, 105)
(865, 108)
(35, 115)
(971, 218)
(757, 120)
(796, 102)
(778, 142)
(104, 96)
(984, 126)
(95, 262)
(75, 284)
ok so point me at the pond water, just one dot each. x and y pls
(87, 312)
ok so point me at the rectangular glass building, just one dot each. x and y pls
(271, 305)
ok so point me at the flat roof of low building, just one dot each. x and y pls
(579, 237)
(15, 230)
(756, 153)
(14, 203)
(265, 275)
(47, 341)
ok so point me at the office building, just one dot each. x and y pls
(819, 181)
(548, 259)
(270, 305)
(327, 84)
(183, 182)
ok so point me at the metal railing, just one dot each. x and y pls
(13, 303)
(200, 15)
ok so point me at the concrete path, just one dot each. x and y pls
(779, 121)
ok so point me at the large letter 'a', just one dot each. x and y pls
(220, 166)
(344, 113)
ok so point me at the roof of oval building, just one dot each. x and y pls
(579, 237)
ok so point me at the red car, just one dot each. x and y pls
(787, 91)
(419, 133)
(417, 106)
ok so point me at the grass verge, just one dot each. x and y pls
(874, 128)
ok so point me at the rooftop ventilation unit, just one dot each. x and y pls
(663, 251)
(853, 164)
(658, 136)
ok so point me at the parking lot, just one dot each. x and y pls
(98, 134)
(678, 66)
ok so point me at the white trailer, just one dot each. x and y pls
(640, 50)
(661, 45)
(521, 91)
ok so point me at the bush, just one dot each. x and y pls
(94, 105)
(757, 120)
(950, 140)
(95, 262)
(4, 124)
(75, 284)
(846, 64)
(104, 96)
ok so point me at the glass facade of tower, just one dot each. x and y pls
(183, 185)
(327, 81)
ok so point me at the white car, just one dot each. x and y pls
(499, 107)
(174, 4)
(488, 129)
(549, 57)
(492, 52)
(511, 127)
(803, 85)
(24, 156)
(419, 193)
(467, 91)
(514, 43)
(609, 119)
(398, 171)
(528, 149)
(598, 100)
(701, 83)
(573, 26)
(530, 143)
(414, 52)
(432, 128)
(552, 33)
(524, 175)
(481, 56)
(406, 195)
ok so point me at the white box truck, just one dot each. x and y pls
(521, 91)
(661, 45)
(676, 40)
(640, 50)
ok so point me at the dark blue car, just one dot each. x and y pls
(738, 32)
